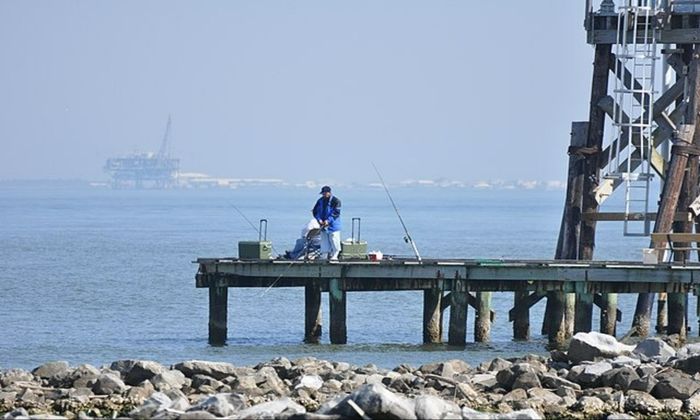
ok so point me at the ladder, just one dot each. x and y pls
(630, 160)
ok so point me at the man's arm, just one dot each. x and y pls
(335, 209)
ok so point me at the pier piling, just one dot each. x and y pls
(337, 300)
(521, 317)
(432, 315)
(482, 320)
(556, 323)
(608, 313)
(218, 315)
(312, 312)
(457, 333)
(583, 321)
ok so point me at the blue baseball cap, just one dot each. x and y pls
(325, 189)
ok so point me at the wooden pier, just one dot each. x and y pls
(453, 284)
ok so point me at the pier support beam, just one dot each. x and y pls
(218, 315)
(583, 321)
(457, 334)
(661, 313)
(677, 315)
(482, 320)
(570, 315)
(556, 327)
(432, 315)
(521, 317)
(312, 312)
(337, 303)
(608, 313)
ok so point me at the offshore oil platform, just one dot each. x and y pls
(145, 170)
(650, 124)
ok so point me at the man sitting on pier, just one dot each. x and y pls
(308, 243)
(327, 213)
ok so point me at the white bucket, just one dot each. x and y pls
(650, 256)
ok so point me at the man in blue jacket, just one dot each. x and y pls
(327, 213)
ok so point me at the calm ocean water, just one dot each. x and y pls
(92, 275)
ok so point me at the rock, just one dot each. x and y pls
(7, 397)
(272, 410)
(157, 401)
(620, 416)
(123, 366)
(168, 379)
(498, 364)
(377, 402)
(619, 378)
(141, 392)
(675, 385)
(179, 400)
(515, 395)
(646, 369)
(688, 350)
(690, 365)
(267, 381)
(527, 414)
(18, 412)
(216, 370)
(692, 404)
(590, 405)
(484, 380)
(546, 396)
(221, 405)
(108, 384)
(506, 377)
(9, 377)
(431, 407)
(52, 370)
(645, 384)
(641, 402)
(622, 361)
(671, 405)
(471, 414)
(555, 382)
(588, 375)
(27, 396)
(199, 380)
(526, 381)
(453, 367)
(142, 370)
(654, 349)
(198, 415)
(84, 376)
(310, 382)
(588, 346)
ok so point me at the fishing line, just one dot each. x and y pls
(407, 238)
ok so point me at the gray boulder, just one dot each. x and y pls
(547, 397)
(498, 364)
(272, 410)
(168, 379)
(12, 376)
(221, 405)
(309, 382)
(588, 375)
(588, 346)
(377, 402)
(526, 414)
(654, 349)
(590, 404)
(157, 401)
(645, 384)
(142, 370)
(675, 385)
(506, 377)
(56, 373)
(267, 380)
(197, 415)
(555, 382)
(619, 378)
(690, 365)
(216, 370)
(672, 405)
(527, 380)
(453, 367)
(108, 384)
(432, 407)
(643, 403)
(84, 376)
(123, 366)
(692, 404)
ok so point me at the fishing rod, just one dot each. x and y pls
(406, 238)
(255, 228)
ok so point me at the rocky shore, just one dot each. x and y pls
(597, 378)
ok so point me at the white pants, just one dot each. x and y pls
(330, 244)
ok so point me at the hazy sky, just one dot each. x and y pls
(294, 89)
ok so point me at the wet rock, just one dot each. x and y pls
(272, 409)
(108, 384)
(588, 375)
(643, 403)
(654, 349)
(377, 402)
(675, 385)
(216, 370)
(157, 401)
(555, 382)
(142, 370)
(169, 379)
(221, 405)
(588, 346)
(431, 407)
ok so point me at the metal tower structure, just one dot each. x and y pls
(146, 170)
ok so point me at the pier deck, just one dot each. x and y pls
(446, 283)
